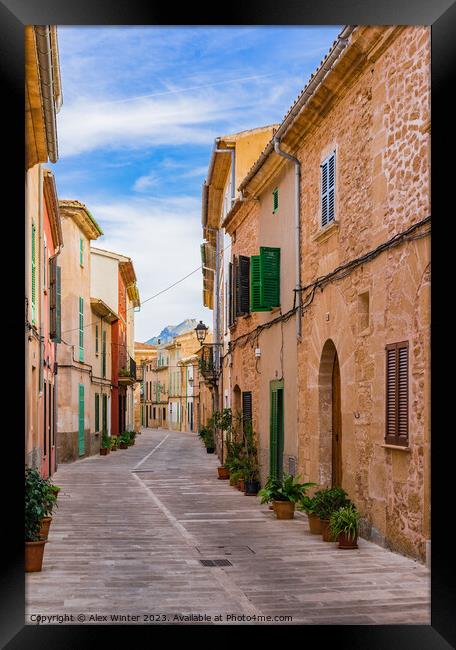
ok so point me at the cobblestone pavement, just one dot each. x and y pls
(132, 527)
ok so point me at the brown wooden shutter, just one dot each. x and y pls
(247, 407)
(230, 294)
(52, 298)
(243, 286)
(397, 387)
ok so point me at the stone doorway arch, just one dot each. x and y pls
(330, 417)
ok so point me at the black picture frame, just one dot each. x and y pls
(14, 14)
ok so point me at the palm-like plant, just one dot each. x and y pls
(287, 489)
(345, 521)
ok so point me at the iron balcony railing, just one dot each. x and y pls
(128, 372)
(209, 363)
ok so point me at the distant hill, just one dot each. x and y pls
(170, 331)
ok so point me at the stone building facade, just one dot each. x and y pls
(360, 136)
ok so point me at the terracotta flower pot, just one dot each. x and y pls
(284, 509)
(123, 445)
(34, 555)
(241, 485)
(223, 473)
(104, 451)
(114, 448)
(44, 528)
(348, 542)
(314, 524)
(326, 531)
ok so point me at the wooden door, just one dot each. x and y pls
(81, 442)
(336, 426)
(276, 432)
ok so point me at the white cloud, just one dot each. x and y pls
(162, 236)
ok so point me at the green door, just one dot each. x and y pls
(81, 445)
(276, 430)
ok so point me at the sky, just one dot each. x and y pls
(141, 109)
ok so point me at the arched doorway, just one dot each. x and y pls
(330, 417)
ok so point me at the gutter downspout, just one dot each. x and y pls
(44, 50)
(297, 164)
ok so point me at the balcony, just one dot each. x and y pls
(209, 363)
(127, 375)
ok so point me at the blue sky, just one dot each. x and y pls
(141, 109)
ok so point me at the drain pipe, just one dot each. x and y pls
(297, 164)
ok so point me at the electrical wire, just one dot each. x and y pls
(339, 273)
(74, 329)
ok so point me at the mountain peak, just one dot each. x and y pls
(170, 331)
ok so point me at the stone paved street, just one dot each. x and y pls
(132, 527)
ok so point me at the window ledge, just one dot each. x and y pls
(396, 447)
(325, 233)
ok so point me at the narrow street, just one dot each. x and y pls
(132, 528)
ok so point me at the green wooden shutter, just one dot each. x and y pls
(105, 414)
(33, 273)
(255, 285)
(273, 431)
(97, 412)
(270, 276)
(81, 443)
(103, 354)
(81, 329)
(96, 339)
(81, 252)
(275, 200)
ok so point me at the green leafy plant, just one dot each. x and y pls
(328, 500)
(209, 439)
(287, 489)
(346, 521)
(236, 475)
(124, 438)
(105, 441)
(40, 499)
(307, 505)
(114, 442)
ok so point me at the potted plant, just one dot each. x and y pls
(39, 501)
(223, 472)
(209, 441)
(56, 489)
(344, 526)
(114, 443)
(307, 505)
(234, 477)
(327, 501)
(49, 504)
(105, 445)
(283, 493)
(123, 441)
(132, 436)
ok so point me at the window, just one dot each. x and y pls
(33, 274)
(265, 279)
(81, 252)
(397, 387)
(242, 285)
(247, 410)
(105, 414)
(328, 189)
(275, 200)
(164, 414)
(81, 329)
(54, 300)
(44, 264)
(103, 354)
(97, 412)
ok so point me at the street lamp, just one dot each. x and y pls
(201, 331)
